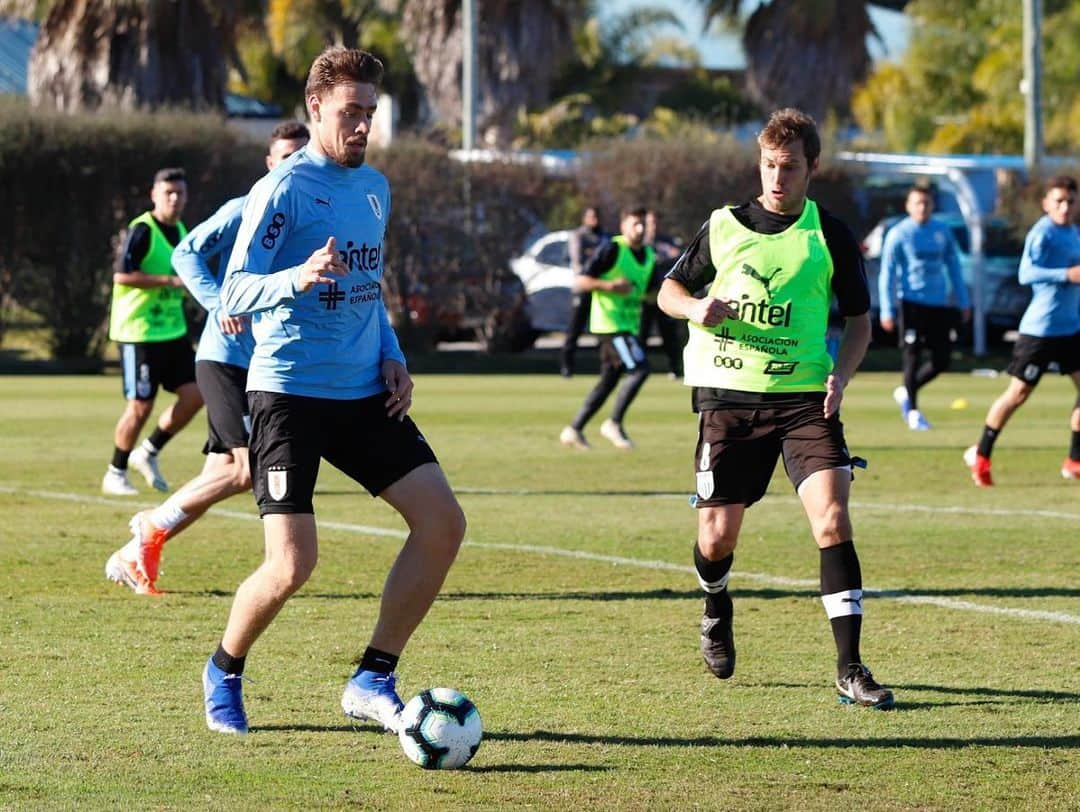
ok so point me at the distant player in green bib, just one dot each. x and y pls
(765, 386)
(617, 277)
(147, 321)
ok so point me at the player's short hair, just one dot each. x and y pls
(919, 189)
(632, 210)
(790, 124)
(288, 131)
(1066, 182)
(336, 65)
(170, 174)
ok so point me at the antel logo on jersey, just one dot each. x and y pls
(362, 257)
(273, 230)
(762, 312)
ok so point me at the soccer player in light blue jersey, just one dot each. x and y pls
(221, 365)
(1049, 329)
(922, 286)
(328, 381)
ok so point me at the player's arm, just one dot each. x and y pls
(693, 271)
(1037, 246)
(573, 247)
(891, 266)
(128, 272)
(191, 261)
(602, 262)
(956, 275)
(853, 302)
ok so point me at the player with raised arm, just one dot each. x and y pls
(328, 381)
(221, 365)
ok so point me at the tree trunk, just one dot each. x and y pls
(521, 46)
(144, 55)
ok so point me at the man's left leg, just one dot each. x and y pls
(824, 495)
(144, 459)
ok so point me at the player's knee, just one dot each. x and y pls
(292, 572)
(717, 539)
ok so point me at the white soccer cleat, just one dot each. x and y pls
(116, 483)
(572, 438)
(899, 394)
(612, 431)
(124, 571)
(146, 464)
(916, 421)
(373, 696)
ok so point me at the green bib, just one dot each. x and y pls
(149, 314)
(781, 284)
(612, 313)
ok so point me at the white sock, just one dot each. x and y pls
(167, 515)
(149, 447)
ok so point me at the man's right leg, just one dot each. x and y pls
(977, 457)
(714, 553)
(125, 434)
(291, 555)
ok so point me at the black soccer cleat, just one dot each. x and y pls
(718, 645)
(857, 687)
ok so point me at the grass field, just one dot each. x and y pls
(570, 619)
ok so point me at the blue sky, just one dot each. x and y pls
(724, 51)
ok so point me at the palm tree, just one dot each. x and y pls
(805, 53)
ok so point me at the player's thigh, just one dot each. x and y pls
(137, 372)
(1031, 357)
(288, 436)
(630, 355)
(372, 448)
(735, 457)
(824, 496)
(227, 415)
(811, 442)
(424, 498)
(175, 363)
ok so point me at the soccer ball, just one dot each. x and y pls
(440, 729)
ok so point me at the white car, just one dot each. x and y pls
(544, 269)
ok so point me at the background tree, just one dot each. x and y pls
(957, 87)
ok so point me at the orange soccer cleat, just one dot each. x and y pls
(979, 467)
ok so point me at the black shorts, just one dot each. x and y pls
(622, 352)
(925, 326)
(1032, 356)
(223, 387)
(290, 434)
(738, 447)
(148, 365)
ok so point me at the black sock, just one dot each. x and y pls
(378, 661)
(1074, 447)
(986, 442)
(120, 459)
(713, 576)
(841, 593)
(227, 663)
(158, 439)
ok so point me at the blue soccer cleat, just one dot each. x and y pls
(224, 697)
(371, 695)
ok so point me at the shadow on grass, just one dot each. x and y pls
(986, 696)
(933, 743)
(988, 591)
(526, 492)
(536, 768)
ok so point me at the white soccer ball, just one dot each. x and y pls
(440, 729)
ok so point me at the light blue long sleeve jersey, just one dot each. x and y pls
(191, 261)
(920, 263)
(1049, 251)
(329, 342)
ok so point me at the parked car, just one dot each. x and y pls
(1004, 298)
(544, 269)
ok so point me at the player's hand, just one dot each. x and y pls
(399, 386)
(887, 324)
(709, 312)
(834, 393)
(231, 325)
(1073, 274)
(620, 285)
(321, 267)
(174, 281)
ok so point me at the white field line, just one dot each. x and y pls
(901, 596)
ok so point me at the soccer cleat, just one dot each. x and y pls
(146, 464)
(718, 645)
(122, 570)
(223, 695)
(916, 421)
(979, 467)
(1070, 469)
(150, 543)
(613, 431)
(116, 483)
(371, 695)
(856, 686)
(572, 438)
(899, 394)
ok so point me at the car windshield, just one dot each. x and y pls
(998, 241)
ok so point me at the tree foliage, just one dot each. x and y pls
(957, 89)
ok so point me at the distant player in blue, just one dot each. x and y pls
(920, 271)
(328, 381)
(221, 373)
(1049, 329)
